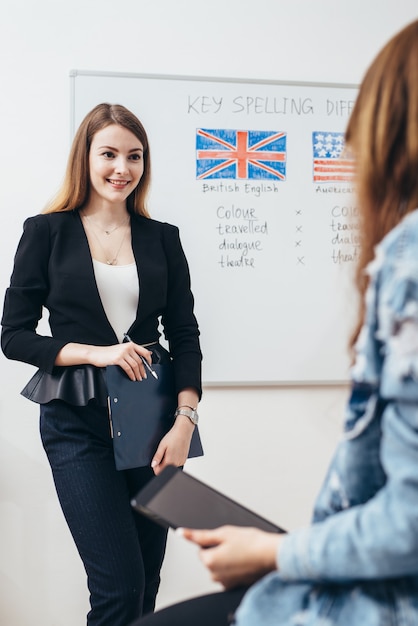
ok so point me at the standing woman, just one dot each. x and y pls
(102, 268)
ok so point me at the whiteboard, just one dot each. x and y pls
(251, 173)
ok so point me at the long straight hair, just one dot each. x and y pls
(75, 188)
(382, 134)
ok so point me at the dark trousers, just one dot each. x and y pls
(122, 551)
(215, 609)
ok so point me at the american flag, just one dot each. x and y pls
(240, 154)
(328, 164)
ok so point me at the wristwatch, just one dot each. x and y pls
(190, 413)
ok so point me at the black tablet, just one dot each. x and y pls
(176, 499)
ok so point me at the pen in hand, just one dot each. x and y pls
(143, 359)
(148, 366)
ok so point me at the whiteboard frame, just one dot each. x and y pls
(229, 80)
(209, 79)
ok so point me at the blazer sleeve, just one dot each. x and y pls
(25, 298)
(179, 322)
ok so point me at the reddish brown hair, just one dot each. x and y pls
(382, 133)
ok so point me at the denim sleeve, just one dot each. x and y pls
(377, 539)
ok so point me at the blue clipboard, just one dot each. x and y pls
(141, 413)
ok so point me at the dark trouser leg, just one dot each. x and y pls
(95, 499)
(215, 609)
(152, 539)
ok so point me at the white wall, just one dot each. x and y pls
(266, 447)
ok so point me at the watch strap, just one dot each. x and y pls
(188, 412)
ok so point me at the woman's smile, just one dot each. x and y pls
(118, 183)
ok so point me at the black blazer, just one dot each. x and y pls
(53, 269)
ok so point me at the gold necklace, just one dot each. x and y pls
(107, 232)
(112, 261)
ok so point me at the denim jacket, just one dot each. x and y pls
(357, 564)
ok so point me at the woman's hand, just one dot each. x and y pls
(174, 446)
(234, 555)
(126, 355)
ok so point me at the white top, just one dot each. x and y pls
(118, 287)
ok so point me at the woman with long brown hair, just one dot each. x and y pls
(357, 563)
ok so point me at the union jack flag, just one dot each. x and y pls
(328, 164)
(240, 154)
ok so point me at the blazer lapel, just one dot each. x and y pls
(151, 266)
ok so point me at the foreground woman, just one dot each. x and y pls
(357, 564)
